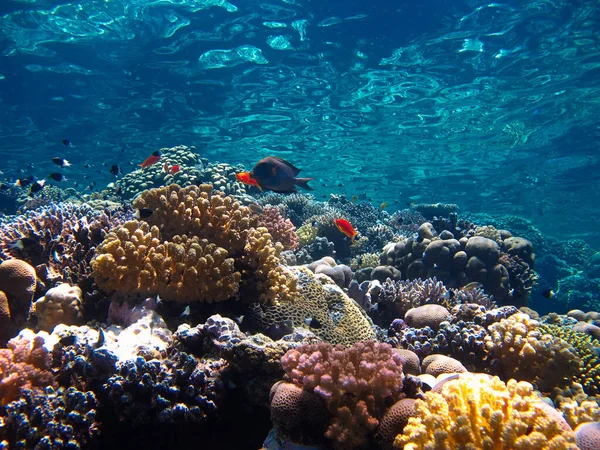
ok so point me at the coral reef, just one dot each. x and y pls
(477, 411)
(355, 383)
(59, 239)
(18, 283)
(156, 176)
(222, 177)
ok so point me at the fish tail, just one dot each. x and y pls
(303, 183)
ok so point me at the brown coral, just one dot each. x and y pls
(18, 282)
(25, 364)
(524, 352)
(341, 320)
(61, 304)
(427, 316)
(197, 245)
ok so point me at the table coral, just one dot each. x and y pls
(356, 384)
(341, 320)
(523, 351)
(477, 411)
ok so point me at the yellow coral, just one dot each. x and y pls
(584, 345)
(490, 232)
(341, 320)
(196, 245)
(476, 411)
(524, 352)
(306, 234)
(365, 260)
(135, 259)
(273, 281)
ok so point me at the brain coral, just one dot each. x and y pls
(197, 245)
(356, 384)
(475, 411)
(524, 352)
(341, 320)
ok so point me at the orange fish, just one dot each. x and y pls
(150, 160)
(345, 227)
(166, 168)
(246, 178)
(175, 169)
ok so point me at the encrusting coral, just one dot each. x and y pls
(356, 384)
(188, 248)
(340, 319)
(476, 411)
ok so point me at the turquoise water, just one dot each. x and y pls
(492, 106)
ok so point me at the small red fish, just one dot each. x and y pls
(345, 227)
(150, 160)
(175, 169)
(246, 178)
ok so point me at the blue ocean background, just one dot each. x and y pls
(492, 106)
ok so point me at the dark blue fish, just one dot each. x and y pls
(278, 175)
(66, 142)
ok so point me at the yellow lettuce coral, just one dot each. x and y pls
(476, 411)
(306, 234)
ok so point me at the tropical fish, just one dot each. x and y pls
(61, 162)
(311, 322)
(115, 169)
(66, 142)
(36, 187)
(151, 160)
(383, 206)
(278, 175)
(143, 213)
(548, 293)
(23, 244)
(22, 182)
(246, 178)
(175, 169)
(166, 168)
(57, 176)
(345, 227)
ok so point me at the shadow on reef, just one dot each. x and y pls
(243, 429)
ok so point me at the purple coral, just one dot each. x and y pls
(356, 384)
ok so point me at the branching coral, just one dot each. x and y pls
(189, 248)
(524, 352)
(585, 348)
(60, 236)
(25, 364)
(281, 230)
(479, 412)
(356, 384)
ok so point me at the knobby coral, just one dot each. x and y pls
(196, 245)
(281, 229)
(356, 383)
(476, 411)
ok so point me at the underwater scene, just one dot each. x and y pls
(299, 224)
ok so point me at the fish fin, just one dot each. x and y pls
(259, 186)
(295, 170)
(303, 183)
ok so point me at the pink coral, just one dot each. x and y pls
(25, 364)
(356, 383)
(282, 230)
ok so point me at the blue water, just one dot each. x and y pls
(492, 106)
